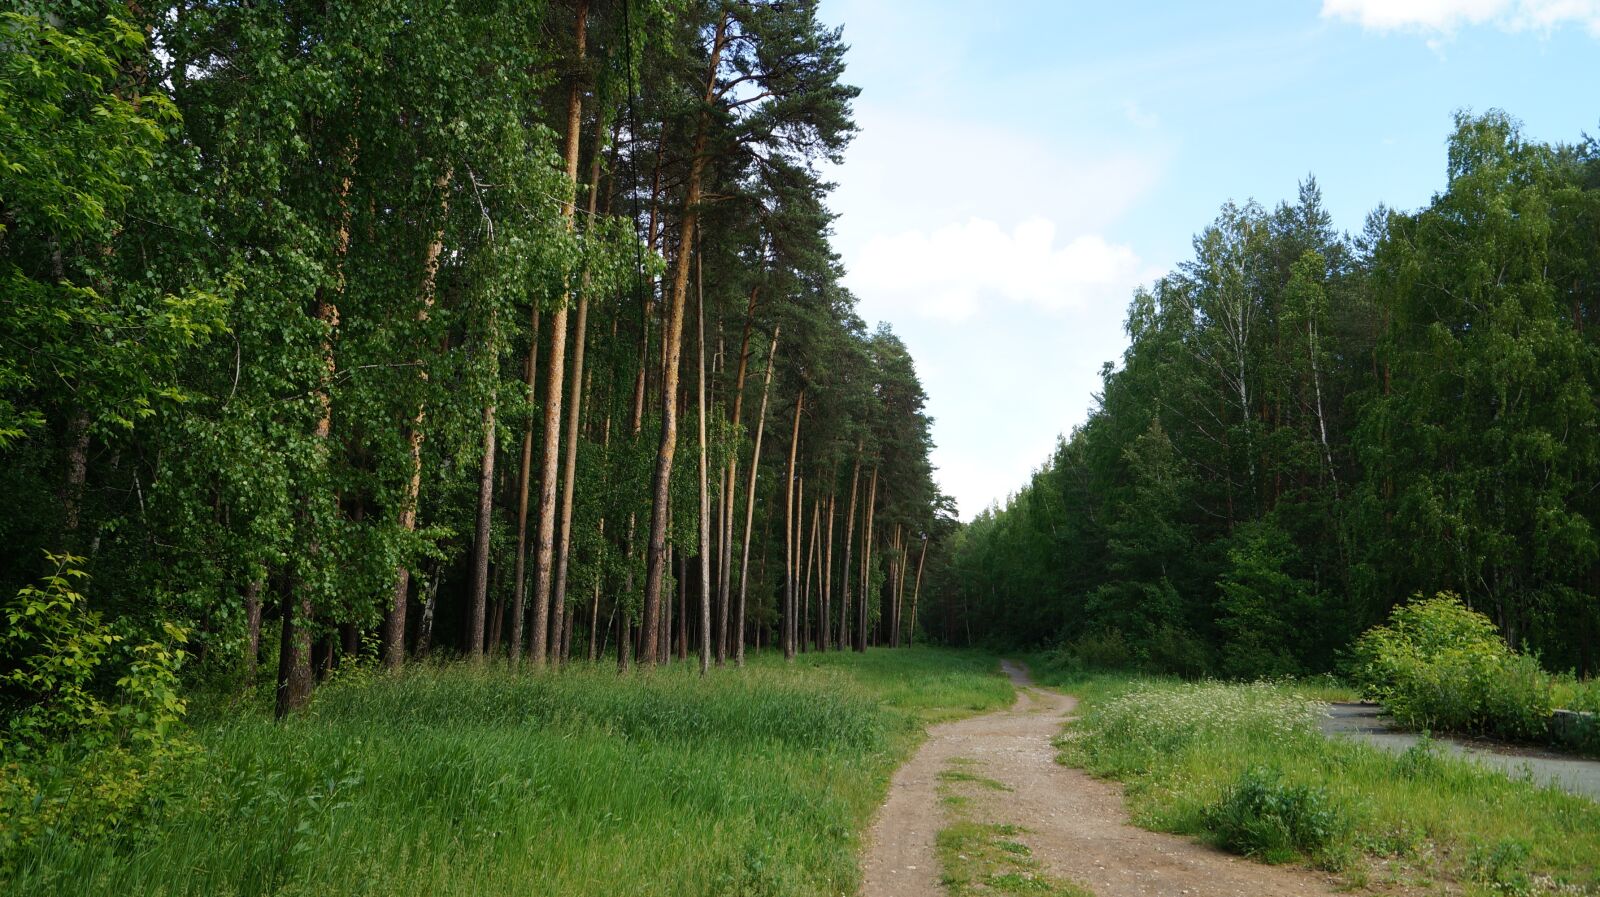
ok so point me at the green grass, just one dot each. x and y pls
(1415, 821)
(979, 858)
(452, 781)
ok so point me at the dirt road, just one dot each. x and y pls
(1074, 825)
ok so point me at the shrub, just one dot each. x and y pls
(1105, 649)
(1440, 665)
(65, 675)
(1260, 815)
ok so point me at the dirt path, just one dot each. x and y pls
(1075, 826)
(1572, 774)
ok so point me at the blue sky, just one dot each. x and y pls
(1022, 166)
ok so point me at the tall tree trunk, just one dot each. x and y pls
(294, 658)
(849, 538)
(916, 591)
(730, 487)
(825, 617)
(555, 370)
(812, 559)
(394, 630)
(519, 575)
(569, 473)
(662, 482)
(750, 496)
(480, 553)
(705, 493)
(866, 564)
(789, 527)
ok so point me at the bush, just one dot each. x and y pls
(1439, 665)
(1105, 649)
(1262, 816)
(67, 676)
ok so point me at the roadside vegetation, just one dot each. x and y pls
(1440, 666)
(448, 780)
(1245, 767)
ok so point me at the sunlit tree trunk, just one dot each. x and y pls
(849, 537)
(555, 370)
(730, 485)
(655, 565)
(789, 527)
(866, 564)
(750, 496)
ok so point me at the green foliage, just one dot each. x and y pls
(1439, 665)
(63, 677)
(1261, 815)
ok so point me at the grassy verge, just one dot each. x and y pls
(1245, 767)
(452, 781)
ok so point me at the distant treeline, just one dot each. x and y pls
(1311, 427)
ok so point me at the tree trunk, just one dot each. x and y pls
(294, 658)
(730, 487)
(294, 655)
(480, 553)
(705, 493)
(569, 473)
(916, 591)
(661, 486)
(849, 538)
(789, 527)
(812, 560)
(430, 602)
(394, 630)
(825, 617)
(555, 369)
(252, 620)
(866, 564)
(750, 497)
(519, 575)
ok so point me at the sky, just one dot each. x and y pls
(1022, 167)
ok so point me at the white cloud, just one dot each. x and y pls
(1448, 15)
(949, 272)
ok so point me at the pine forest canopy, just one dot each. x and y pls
(498, 329)
(513, 330)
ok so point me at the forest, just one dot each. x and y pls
(498, 331)
(441, 455)
(1309, 428)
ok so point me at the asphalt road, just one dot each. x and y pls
(1361, 721)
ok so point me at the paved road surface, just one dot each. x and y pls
(1361, 721)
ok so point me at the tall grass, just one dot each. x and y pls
(452, 781)
(1229, 762)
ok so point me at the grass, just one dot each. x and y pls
(1245, 767)
(981, 858)
(453, 781)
